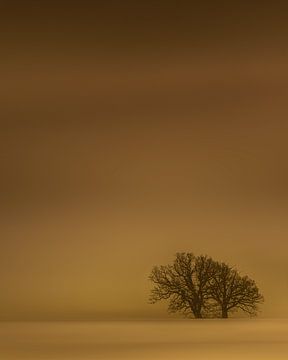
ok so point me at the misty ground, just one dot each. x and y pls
(176, 339)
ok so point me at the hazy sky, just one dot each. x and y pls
(131, 131)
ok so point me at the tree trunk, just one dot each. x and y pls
(196, 310)
(198, 314)
(224, 313)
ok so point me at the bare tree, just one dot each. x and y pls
(200, 287)
(233, 292)
(185, 283)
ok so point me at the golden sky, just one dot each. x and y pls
(132, 131)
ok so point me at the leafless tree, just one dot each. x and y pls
(233, 292)
(185, 283)
(200, 287)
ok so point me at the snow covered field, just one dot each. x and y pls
(177, 339)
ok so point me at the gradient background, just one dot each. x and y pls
(131, 131)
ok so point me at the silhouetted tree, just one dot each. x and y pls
(202, 287)
(185, 283)
(233, 292)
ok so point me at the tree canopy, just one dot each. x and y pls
(199, 286)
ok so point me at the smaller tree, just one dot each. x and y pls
(233, 292)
